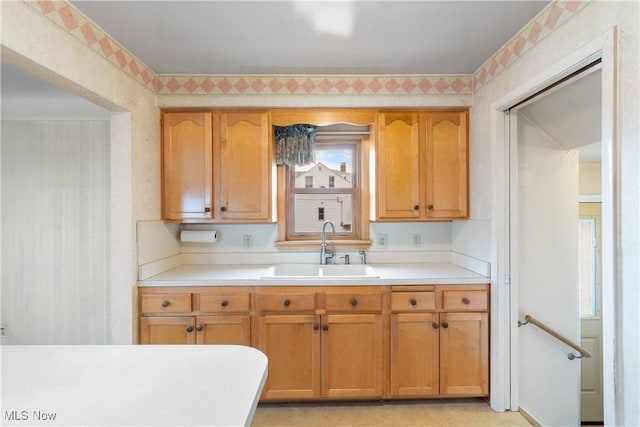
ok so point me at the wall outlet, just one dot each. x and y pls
(381, 240)
(3, 330)
(417, 240)
(247, 241)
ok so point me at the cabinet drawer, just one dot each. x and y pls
(413, 301)
(286, 302)
(224, 303)
(165, 303)
(465, 300)
(354, 302)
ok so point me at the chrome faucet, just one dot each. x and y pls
(324, 254)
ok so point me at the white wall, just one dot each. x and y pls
(588, 24)
(42, 45)
(56, 233)
(590, 179)
(547, 275)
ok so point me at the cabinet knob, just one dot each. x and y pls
(354, 302)
(224, 303)
(316, 326)
(465, 301)
(165, 303)
(207, 209)
(223, 208)
(413, 302)
(199, 328)
(189, 329)
(287, 303)
(445, 325)
(325, 327)
(416, 207)
(435, 325)
(430, 207)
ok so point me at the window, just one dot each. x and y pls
(329, 187)
(587, 267)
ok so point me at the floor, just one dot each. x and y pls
(459, 412)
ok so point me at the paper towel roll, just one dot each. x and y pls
(199, 236)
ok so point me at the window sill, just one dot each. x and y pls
(305, 245)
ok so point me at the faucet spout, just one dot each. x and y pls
(323, 244)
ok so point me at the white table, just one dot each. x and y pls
(136, 385)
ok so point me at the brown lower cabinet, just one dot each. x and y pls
(194, 316)
(322, 344)
(337, 343)
(439, 353)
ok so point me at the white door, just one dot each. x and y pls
(544, 269)
(591, 398)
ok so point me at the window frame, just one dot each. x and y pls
(328, 142)
(287, 117)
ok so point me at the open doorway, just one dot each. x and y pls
(57, 154)
(556, 246)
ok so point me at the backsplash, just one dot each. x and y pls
(159, 248)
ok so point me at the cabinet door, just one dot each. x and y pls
(352, 356)
(186, 166)
(464, 354)
(414, 355)
(224, 329)
(292, 344)
(167, 330)
(447, 165)
(398, 166)
(245, 166)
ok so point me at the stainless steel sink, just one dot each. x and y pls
(313, 271)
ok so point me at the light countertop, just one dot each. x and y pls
(112, 385)
(430, 273)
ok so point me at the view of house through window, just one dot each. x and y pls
(325, 189)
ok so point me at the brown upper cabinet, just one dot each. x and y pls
(217, 166)
(187, 166)
(243, 153)
(422, 165)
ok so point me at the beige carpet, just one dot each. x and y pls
(459, 412)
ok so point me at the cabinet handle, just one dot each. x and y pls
(223, 208)
(435, 325)
(316, 326)
(354, 302)
(325, 327)
(430, 207)
(445, 325)
(165, 303)
(224, 303)
(207, 209)
(416, 207)
(199, 328)
(413, 302)
(189, 329)
(465, 301)
(287, 303)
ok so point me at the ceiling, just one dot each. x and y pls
(312, 37)
(571, 114)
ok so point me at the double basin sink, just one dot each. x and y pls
(315, 271)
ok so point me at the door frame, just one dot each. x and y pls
(504, 296)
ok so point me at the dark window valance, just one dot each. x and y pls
(294, 144)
